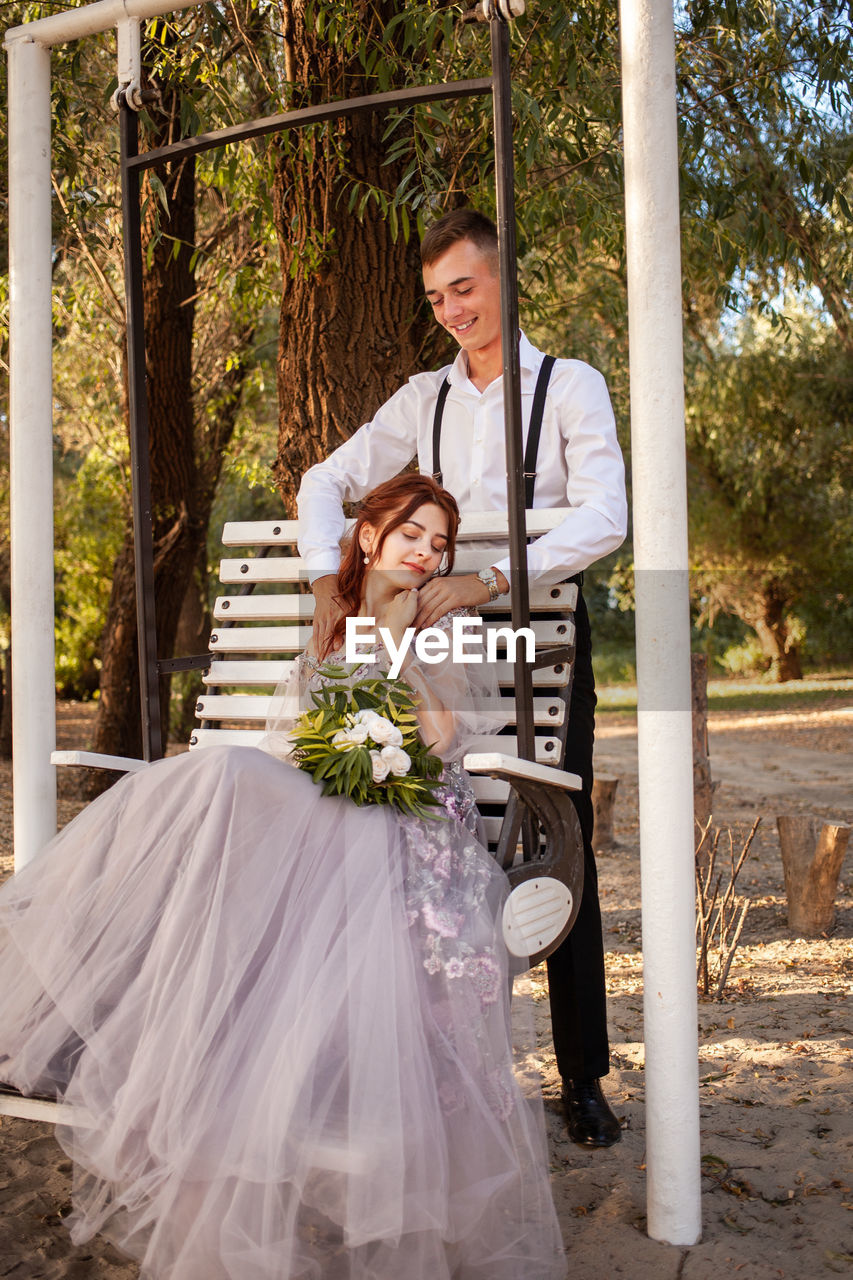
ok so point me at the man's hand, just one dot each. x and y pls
(440, 595)
(326, 613)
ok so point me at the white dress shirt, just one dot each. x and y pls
(579, 464)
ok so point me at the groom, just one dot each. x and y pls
(453, 422)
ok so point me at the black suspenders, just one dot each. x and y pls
(436, 432)
(533, 431)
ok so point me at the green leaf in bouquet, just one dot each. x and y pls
(341, 703)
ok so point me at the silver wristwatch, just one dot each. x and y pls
(490, 579)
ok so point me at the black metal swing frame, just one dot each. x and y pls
(531, 797)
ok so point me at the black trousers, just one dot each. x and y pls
(576, 969)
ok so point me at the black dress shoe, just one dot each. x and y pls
(590, 1120)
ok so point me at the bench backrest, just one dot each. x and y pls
(265, 621)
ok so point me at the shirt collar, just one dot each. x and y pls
(529, 359)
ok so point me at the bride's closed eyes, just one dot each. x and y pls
(414, 537)
(413, 533)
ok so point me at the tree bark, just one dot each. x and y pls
(771, 627)
(168, 290)
(603, 803)
(186, 448)
(352, 327)
(811, 862)
(6, 691)
(703, 787)
(6, 713)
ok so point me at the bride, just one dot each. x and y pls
(284, 1018)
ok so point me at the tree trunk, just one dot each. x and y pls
(352, 327)
(186, 454)
(703, 787)
(603, 804)
(811, 862)
(6, 599)
(6, 714)
(771, 627)
(168, 290)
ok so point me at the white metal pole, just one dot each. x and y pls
(31, 449)
(663, 620)
(31, 417)
(89, 19)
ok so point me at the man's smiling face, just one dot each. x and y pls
(465, 293)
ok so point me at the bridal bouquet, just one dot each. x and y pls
(361, 740)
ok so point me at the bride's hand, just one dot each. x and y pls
(400, 612)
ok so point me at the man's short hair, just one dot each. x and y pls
(460, 224)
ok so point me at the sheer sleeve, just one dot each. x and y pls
(288, 702)
(459, 701)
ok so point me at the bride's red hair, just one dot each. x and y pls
(386, 508)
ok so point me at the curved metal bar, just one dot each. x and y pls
(312, 115)
(563, 859)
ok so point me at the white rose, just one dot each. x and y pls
(357, 732)
(383, 731)
(398, 761)
(345, 739)
(381, 768)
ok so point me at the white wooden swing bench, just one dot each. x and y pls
(254, 647)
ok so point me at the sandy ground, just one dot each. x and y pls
(775, 1062)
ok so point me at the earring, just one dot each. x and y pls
(367, 559)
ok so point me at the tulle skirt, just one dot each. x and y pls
(285, 1020)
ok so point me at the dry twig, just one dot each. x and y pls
(718, 917)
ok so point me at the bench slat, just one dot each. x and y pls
(291, 569)
(547, 712)
(293, 639)
(225, 672)
(44, 1110)
(547, 748)
(489, 790)
(479, 525)
(293, 607)
(260, 639)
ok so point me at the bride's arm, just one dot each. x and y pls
(434, 689)
(457, 700)
(437, 722)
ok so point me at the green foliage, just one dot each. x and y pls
(770, 438)
(334, 742)
(89, 531)
(770, 427)
(764, 108)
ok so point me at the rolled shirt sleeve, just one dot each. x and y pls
(579, 464)
(592, 472)
(382, 448)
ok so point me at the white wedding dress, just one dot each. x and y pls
(287, 1018)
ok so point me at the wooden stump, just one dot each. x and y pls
(703, 787)
(603, 800)
(811, 862)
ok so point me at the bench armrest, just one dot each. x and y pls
(510, 766)
(123, 764)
